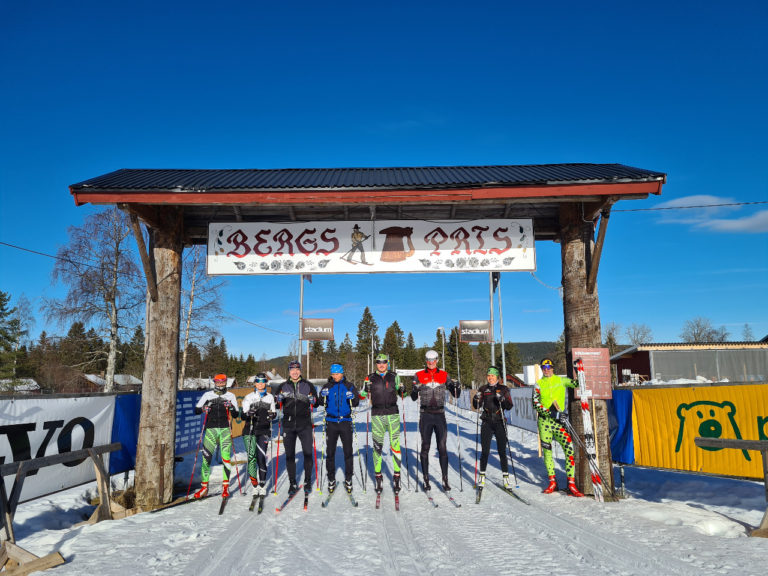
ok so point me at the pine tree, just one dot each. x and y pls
(394, 343)
(6, 336)
(317, 359)
(347, 355)
(367, 338)
(410, 354)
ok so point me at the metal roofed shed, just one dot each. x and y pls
(676, 363)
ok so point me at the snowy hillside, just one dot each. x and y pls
(671, 523)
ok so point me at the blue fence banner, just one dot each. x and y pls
(188, 424)
(620, 417)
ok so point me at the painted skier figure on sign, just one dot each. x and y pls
(429, 386)
(549, 401)
(357, 238)
(258, 411)
(219, 406)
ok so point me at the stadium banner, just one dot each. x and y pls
(665, 422)
(475, 331)
(37, 427)
(317, 328)
(355, 247)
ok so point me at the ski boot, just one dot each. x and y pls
(254, 482)
(481, 480)
(225, 489)
(552, 486)
(379, 483)
(505, 479)
(261, 489)
(203, 492)
(427, 487)
(292, 489)
(348, 486)
(307, 488)
(446, 486)
(572, 490)
(396, 482)
(331, 486)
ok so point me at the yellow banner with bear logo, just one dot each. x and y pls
(666, 420)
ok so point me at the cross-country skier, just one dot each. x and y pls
(258, 411)
(429, 385)
(220, 407)
(339, 397)
(549, 401)
(491, 399)
(384, 387)
(297, 398)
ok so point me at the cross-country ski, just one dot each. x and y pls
(289, 499)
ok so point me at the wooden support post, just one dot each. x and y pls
(104, 510)
(158, 398)
(581, 314)
(25, 562)
(597, 252)
(145, 262)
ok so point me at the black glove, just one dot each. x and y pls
(555, 414)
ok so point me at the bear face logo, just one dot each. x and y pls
(709, 420)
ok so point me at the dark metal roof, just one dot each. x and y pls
(429, 177)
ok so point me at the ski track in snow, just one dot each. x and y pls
(556, 534)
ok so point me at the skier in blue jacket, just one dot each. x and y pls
(339, 397)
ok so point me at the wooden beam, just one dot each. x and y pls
(365, 196)
(598, 250)
(144, 255)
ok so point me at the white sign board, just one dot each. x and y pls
(37, 427)
(344, 247)
(523, 415)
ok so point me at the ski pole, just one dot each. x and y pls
(509, 446)
(202, 431)
(357, 445)
(325, 446)
(405, 440)
(477, 432)
(456, 409)
(277, 456)
(271, 446)
(367, 451)
(418, 441)
(314, 450)
(234, 453)
(458, 442)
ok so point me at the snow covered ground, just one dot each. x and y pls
(671, 523)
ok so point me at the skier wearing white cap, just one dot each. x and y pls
(429, 386)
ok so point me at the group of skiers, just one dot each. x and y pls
(297, 397)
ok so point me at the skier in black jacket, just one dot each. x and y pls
(297, 397)
(339, 397)
(491, 399)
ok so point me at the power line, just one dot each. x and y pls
(689, 207)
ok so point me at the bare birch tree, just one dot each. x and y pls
(201, 297)
(104, 285)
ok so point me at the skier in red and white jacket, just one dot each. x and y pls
(429, 386)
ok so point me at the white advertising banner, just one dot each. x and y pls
(344, 247)
(36, 427)
(522, 414)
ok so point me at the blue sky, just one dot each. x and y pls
(90, 87)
